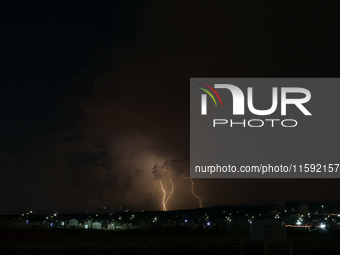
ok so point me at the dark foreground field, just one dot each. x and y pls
(158, 241)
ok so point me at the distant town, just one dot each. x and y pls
(311, 217)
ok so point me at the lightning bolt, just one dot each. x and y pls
(172, 190)
(192, 191)
(165, 197)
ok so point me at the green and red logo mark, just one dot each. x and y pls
(208, 92)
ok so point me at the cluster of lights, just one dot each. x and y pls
(299, 221)
(30, 212)
(228, 219)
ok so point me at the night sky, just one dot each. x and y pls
(95, 96)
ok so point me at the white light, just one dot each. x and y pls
(322, 225)
(298, 223)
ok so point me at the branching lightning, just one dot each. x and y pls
(172, 190)
(192, 191)
(165, 196)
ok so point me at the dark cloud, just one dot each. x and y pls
(123, 119)
(157, 171)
